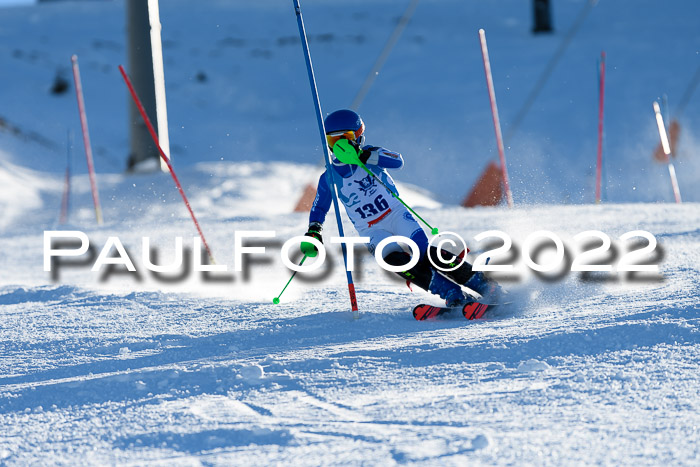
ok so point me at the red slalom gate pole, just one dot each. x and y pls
(494, 113)
(86, 138)
(667, 152)
(66, 196)
(152, 131)
(65, 202)
(601, 100)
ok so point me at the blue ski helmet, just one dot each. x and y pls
(344, 123)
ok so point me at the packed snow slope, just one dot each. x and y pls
(183, 368)
(112, 367)
(237, 87)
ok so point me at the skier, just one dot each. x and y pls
(377, 214)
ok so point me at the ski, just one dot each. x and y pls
(470, 310)
(423, 312)
(475, 310)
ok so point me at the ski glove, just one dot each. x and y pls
(366, 154)
(349, 152)
(308, 248)
(362, 154)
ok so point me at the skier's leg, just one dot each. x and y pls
(422, 274)
(459, 275)
(394, 255)
(427, 278)
(403, 224)
(463, 273)
(456, 269)
(450, 265)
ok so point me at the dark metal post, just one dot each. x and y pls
(542, 16)
(142, 149)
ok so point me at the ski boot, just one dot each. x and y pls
(448, 290)
(489, 289)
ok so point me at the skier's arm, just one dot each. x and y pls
(380, 157)
(317, 216)
(322, 202)
(349, 152)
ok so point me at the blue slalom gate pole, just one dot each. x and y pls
(327, 158)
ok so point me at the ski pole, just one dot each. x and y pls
(347, 154)
(433, 230)
(276, 300)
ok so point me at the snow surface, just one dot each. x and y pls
(107, 368)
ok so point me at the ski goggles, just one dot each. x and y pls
(335, 136)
